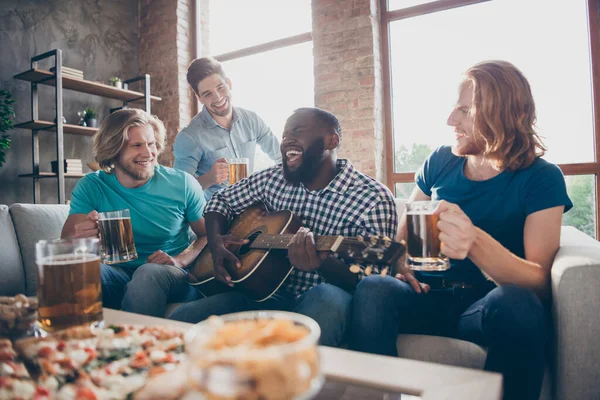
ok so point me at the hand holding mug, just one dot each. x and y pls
(88, 227)
(457, 232)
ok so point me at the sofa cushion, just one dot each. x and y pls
(441, 350)
(34, 222)
(11, 264)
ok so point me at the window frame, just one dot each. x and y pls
(393, 177)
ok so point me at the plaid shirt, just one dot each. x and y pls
(352, 204)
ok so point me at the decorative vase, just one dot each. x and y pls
(91, 122)
(118, 85)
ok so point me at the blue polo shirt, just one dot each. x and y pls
(160, 210)
(203, 142)
(499, 205)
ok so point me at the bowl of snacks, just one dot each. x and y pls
(267, 355)
(18, 315)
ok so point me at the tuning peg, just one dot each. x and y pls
(387, 242)
(336, 255)
(365, 254)
(350, 253)
(360, 238)
(368, 270)
(380, 256)
(374, 240)
(355, 269)
(384, 271)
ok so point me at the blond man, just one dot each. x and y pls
(163, 202)
(500, 221)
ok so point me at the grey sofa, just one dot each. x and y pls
(574, 368)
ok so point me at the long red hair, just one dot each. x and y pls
(504, 114)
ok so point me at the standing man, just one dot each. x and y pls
(163, 204)
(500, 221)
(219, 131)
(330, 197)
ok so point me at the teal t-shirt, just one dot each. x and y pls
(160, 210)
(499, 205)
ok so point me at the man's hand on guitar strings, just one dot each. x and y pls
(220, 254)
(302, 251)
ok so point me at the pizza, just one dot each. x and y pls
(85, 363)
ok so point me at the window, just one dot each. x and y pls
(266, 50)
(429, 51)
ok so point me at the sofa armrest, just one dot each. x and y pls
(576, 312)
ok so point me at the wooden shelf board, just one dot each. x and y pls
(49, 175)
(67, 128)
(37, 75)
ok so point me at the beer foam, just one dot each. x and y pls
(420, 212)
(113, 219)
(66, 259)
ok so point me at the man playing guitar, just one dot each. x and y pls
(330, 197)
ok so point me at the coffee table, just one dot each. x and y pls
(351, 375)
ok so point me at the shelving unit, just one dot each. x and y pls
(37, 77)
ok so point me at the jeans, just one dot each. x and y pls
(327, 304)
(145, 290)
(509, 320)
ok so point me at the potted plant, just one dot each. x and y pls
(116, 82)
(90, 117)
(6, 121)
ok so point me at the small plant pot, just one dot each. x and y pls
(118, 85)
(91, 122)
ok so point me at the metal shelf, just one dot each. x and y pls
(49, 175)
(47, 126)
(44, 77)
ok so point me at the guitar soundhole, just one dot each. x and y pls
(246, 248)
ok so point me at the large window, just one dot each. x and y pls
(266, 50)
(430, 44)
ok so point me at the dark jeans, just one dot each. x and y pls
(145, 290)
(509, 320)
(327, 304)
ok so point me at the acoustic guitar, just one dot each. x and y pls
(264, 265)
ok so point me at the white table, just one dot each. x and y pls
(390, 374)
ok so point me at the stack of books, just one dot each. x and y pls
(70, 72)
(72, 166)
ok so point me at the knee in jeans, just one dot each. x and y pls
(516, 312)
(381, 287)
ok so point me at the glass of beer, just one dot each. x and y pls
(424, 245)
(69, 288)
(238, 169)
(116, 234)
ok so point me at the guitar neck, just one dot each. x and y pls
(281, 242)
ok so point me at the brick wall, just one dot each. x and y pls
(348, 78)
(166, 49)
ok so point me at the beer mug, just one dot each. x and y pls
(116, 234)
(423, 240)
(238, 169)
(69, 288)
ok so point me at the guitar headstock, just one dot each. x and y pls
(372, 250)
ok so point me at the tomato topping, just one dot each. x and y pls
(61, 346)
(45, 352)
(84, 393)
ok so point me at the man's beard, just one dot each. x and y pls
(134, 174)
(473, 147)
(223, 113)
(311, 162)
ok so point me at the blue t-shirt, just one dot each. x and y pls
(499, 205)
(160, 210)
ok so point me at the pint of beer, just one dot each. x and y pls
(424, 246)
(116, 234)
(238, 169)
(69, 288)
